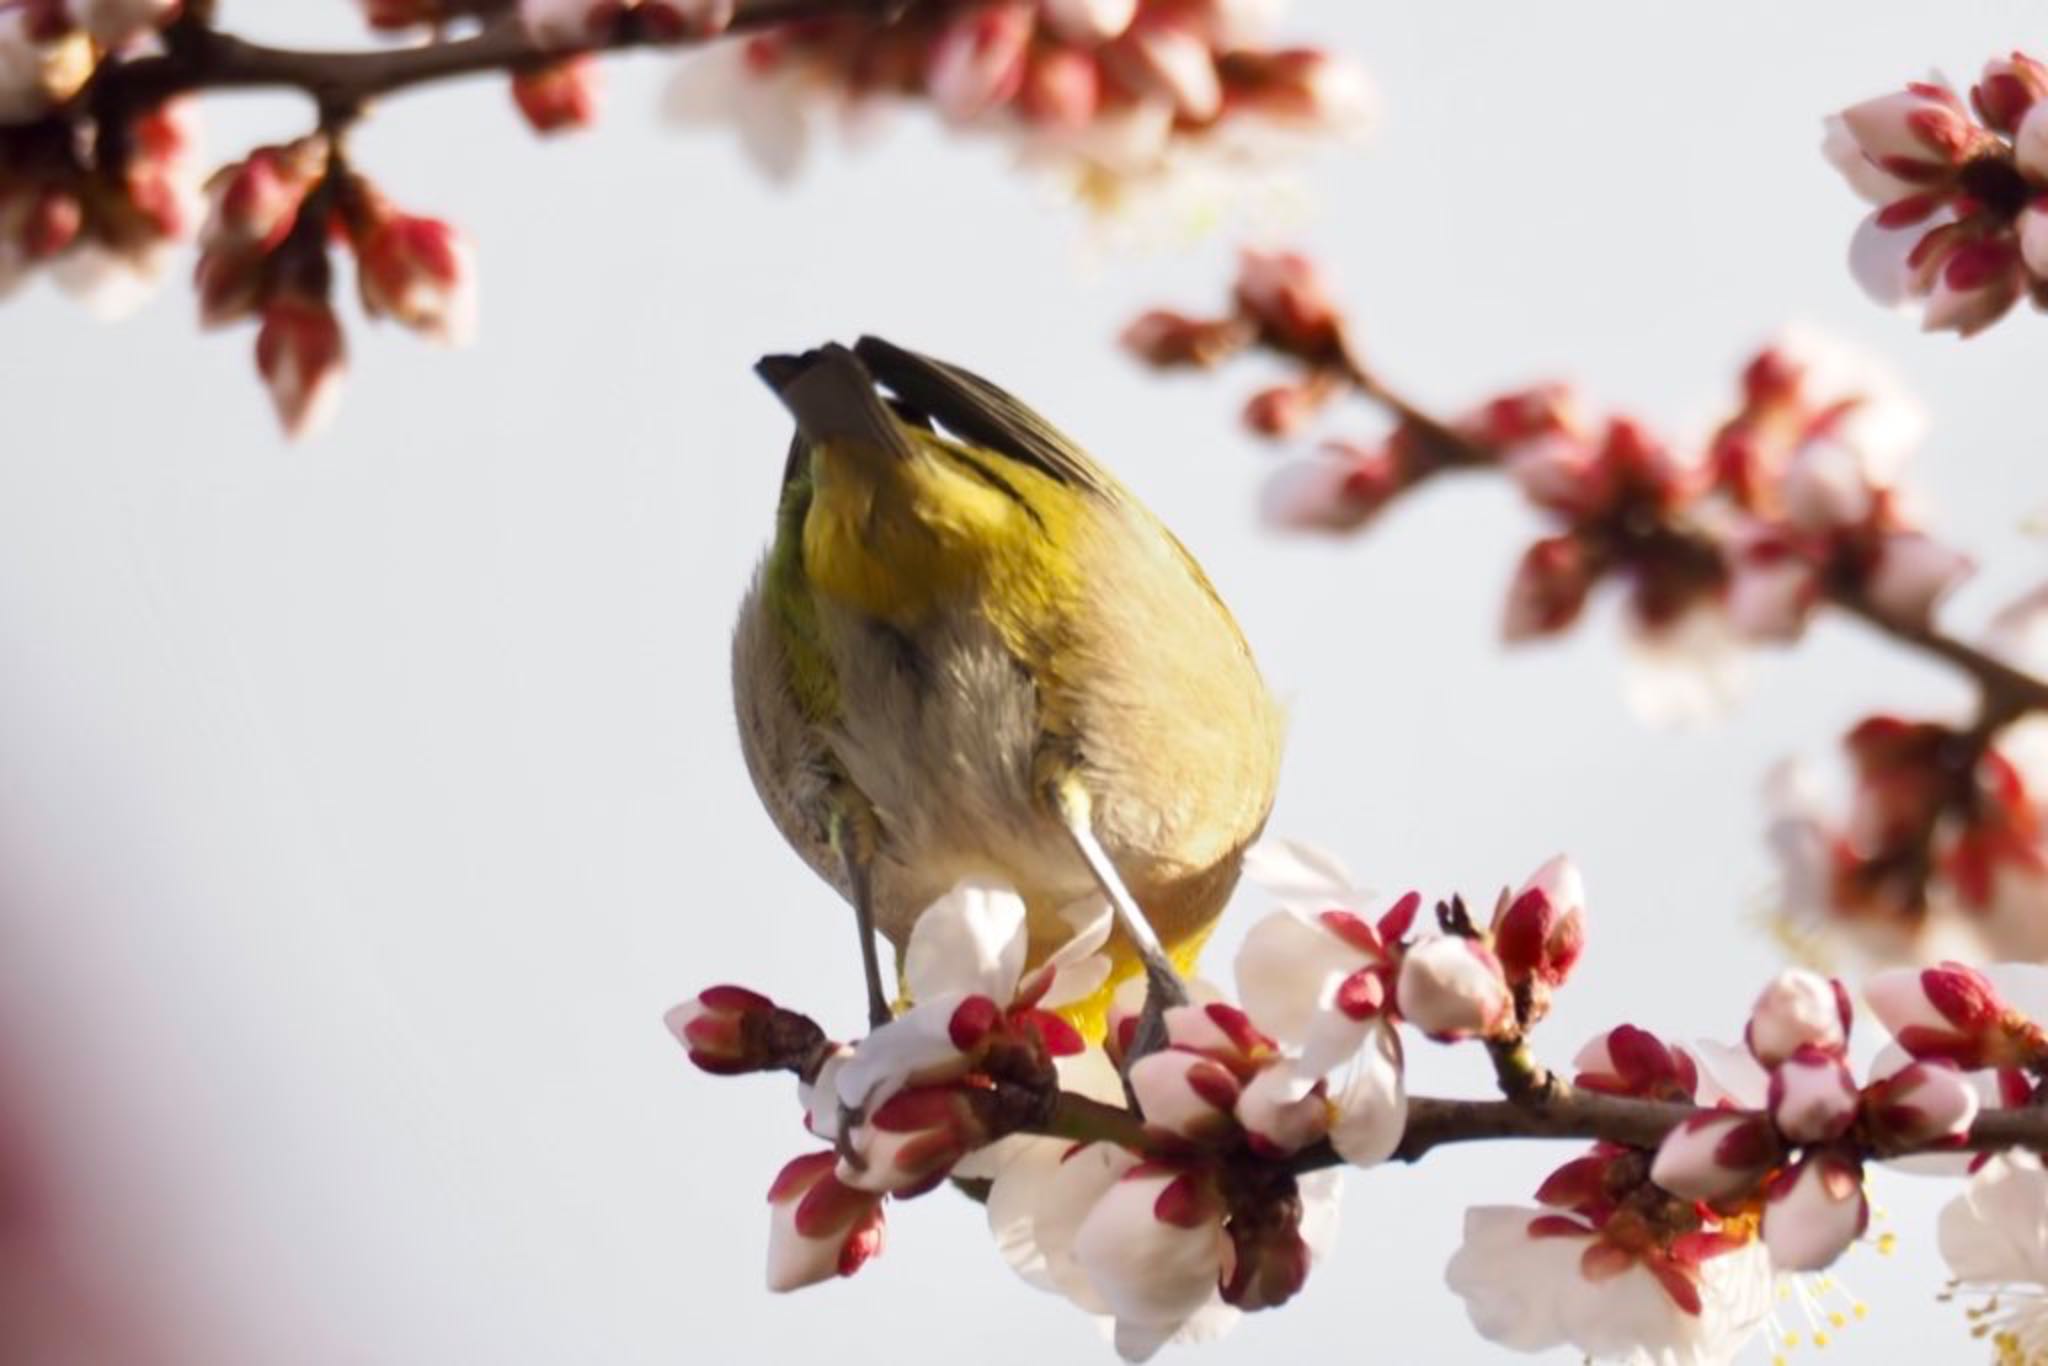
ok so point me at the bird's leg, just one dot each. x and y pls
(851, 831)
(1164, 988)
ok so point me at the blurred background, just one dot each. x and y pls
(363, 804)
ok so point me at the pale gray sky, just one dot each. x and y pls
(363, 805)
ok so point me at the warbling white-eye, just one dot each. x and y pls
(971, 651)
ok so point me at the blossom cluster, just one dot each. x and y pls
(1960, 224)
(95, 198)
(1672, 1254)
(1794, 500)
(1118, 98)
(98, 180)
(1169, 1192)
(1209, 1196)
(1939, 848)
(272, 219)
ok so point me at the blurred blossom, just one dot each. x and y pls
(1121, 100)
(103, 229)
(1533, 1280)
(1996, 1246)
(1953, 184)
(1939, 849)
(560, 96)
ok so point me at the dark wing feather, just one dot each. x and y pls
(833, 398)
(979, 412)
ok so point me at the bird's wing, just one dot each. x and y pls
(980, 412)
(832, 397)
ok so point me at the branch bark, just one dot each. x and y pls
(1561, 1112)
(2006, 693)
(200, 57)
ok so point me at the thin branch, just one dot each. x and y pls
(199, 57)
(2007, 693)
(1561, 1112)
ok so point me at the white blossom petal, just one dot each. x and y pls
(1288, 971)
(972, 941)
(1370, 1101)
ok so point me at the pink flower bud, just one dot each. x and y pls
(2009, 87)
(2030, 145)
(1335, 492)
(1282, 1110)
(912, 1140)
(1716, 1155)
(1912, 575)
(1221, 1033)
(1825, 487)
(1153, 1247)
(818, 1227)
(714, 1026)
(253, 203)
(1815, 1209)
(1301, 86)
(1772, 590)
(229, 282)
(1062, 88)
(50, 223)
(1540, 932)
(1549, 589)
(1974, 286)
(1922, 1105)
(1627, 1061)
(1168, 60)
(1452, 988)
(569, 23)
(1185, 1093)
(978, 60)
(2032, 229)
(303, 360)
(1164, 338)
(1285, 295)
(1284, 409)
(1813, 1098)
(1089, 21)
(559, 96)
(1919, 134)
(1950, 1013)
(418, 271)
(1799, 1009)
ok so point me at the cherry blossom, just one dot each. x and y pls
(1954, 187)
(819, 1228)
(964, 970)
(1533, 1280)
(1996, 1245)
(1139, 98)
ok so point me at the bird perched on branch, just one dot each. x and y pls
(971, 651)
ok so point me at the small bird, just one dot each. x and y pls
(970, 651)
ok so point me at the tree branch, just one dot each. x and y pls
(2007, 693)
(1560, 1112)
(200, 57)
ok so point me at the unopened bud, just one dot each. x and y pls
(1452, 988)
(1799, 1009)
(1813, 1098)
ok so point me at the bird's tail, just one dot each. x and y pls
(833, 399)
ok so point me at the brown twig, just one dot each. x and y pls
(1565, 1112)
(2006, 693)
(200, 57)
